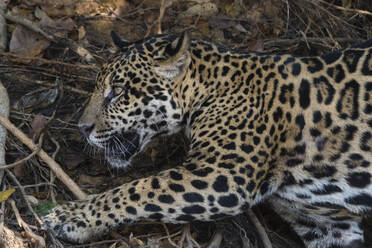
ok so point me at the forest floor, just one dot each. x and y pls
(49, 79)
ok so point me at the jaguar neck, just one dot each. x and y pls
(212, 72)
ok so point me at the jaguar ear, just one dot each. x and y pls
(177, 58)
(120, 43)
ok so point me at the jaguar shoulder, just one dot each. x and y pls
(296, 131)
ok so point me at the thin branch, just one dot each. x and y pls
(164, 5)
(168, 235)
(53, 165)
(358, 11)
(51, 85)
(47, 61)
(23, 192)
(9, 166)
(38, 239)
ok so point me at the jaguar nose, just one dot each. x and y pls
(86, 130)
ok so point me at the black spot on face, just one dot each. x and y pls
(362, 199)
(320, 171)
(327, 189)
(359, 179)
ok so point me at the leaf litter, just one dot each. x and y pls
(302, 27)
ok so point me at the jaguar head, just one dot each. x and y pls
(134, 97)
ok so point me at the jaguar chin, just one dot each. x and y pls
(122, 147)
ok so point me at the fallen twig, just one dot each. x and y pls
(164, 4)
(53, 165)
(288, 42)
(51, 85)
(261, 231)
(358, 11)
(9, 166)
(168, 235)
(47, 61)
(15, 180)
(84, 53)
(40, 242)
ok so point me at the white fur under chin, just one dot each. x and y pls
(118, 163)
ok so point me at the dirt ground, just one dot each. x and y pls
(49, 67)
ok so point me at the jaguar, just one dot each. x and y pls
(292, 131)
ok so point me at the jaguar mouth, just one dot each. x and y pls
(120, 148)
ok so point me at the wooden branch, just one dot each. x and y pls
(40, 242)
(84, 53)
(53, 165)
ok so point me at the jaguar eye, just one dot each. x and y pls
(117, 90)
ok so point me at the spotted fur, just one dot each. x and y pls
(296, 131)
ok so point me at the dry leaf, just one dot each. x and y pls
(257, 46)
(20, 170)
(26, 43)
(206, 9)
(81, 33)
(32, 199)
(37, 125)
(71, 160)
(5, 194)
(39, 98)
(93, 181)
(60, 27)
